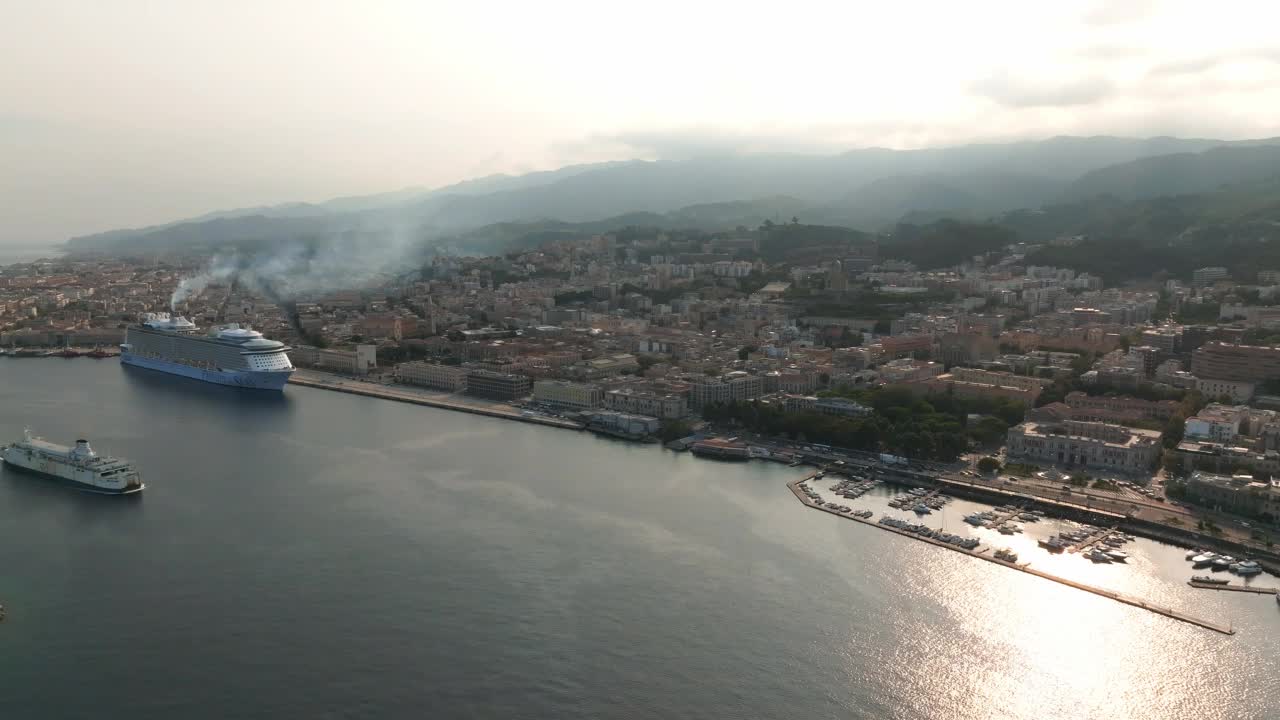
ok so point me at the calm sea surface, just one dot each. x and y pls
(320, 555)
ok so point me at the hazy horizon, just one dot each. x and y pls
(127, 115)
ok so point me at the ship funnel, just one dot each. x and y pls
(82, 449)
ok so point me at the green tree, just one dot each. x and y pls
(670, 430)
(988, 465)
(1173, 431)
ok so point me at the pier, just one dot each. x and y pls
(1025, 567)
(1233, 588)
(1092, 540)
(1004, 516)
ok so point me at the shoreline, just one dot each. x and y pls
(1059, 507)
(446, 401)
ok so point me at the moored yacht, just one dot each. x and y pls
(1247, 567)
(1209, 580)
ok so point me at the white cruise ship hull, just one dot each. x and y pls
(80, 478)
(255, 380)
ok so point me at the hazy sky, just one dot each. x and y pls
(116, 113)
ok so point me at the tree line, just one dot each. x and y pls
(901, 423)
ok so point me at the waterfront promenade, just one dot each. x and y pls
(418, 396)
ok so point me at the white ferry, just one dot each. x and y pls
(79, 465)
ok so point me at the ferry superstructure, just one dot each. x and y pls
(227, 355)
(78, 465)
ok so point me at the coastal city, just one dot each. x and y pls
(1158, 403)
(588, 361)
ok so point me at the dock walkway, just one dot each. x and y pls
(1233, 588)
(1026, 568)
(1003, 516)
(1092, 540)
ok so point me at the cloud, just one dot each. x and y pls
(1117, 12)
(1110, 51)
(1011, 91)
(706, 141)
(1205, 63)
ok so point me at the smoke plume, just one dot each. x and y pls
(284, 273)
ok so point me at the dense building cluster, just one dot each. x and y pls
(643, 328)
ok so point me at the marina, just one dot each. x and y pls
(981, 553)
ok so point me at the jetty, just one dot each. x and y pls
(1024, 567)
(1233, 588)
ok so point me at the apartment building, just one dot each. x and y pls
(452, 378)
(1113, 408)
(1227, 361)
(639, 401)
(497, 385)
(568, 395)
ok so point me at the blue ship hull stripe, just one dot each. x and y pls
(245, 379)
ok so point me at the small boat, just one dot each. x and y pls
(1222, 562)
(921, 509)
(1098, 556)
(1203, 559)
(1117, 555)
(1208, 580)
(1053, 545)
(1005, 530)
(1193, 553)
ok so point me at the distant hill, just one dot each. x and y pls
(945, 243)
(1180, 173)
(795, 242)
(1237, 226)
(866, 189)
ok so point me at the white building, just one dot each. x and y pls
(1237, 390)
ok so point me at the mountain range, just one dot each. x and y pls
(866, 189)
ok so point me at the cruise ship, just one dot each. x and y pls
(78, 465)
(227, 355)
